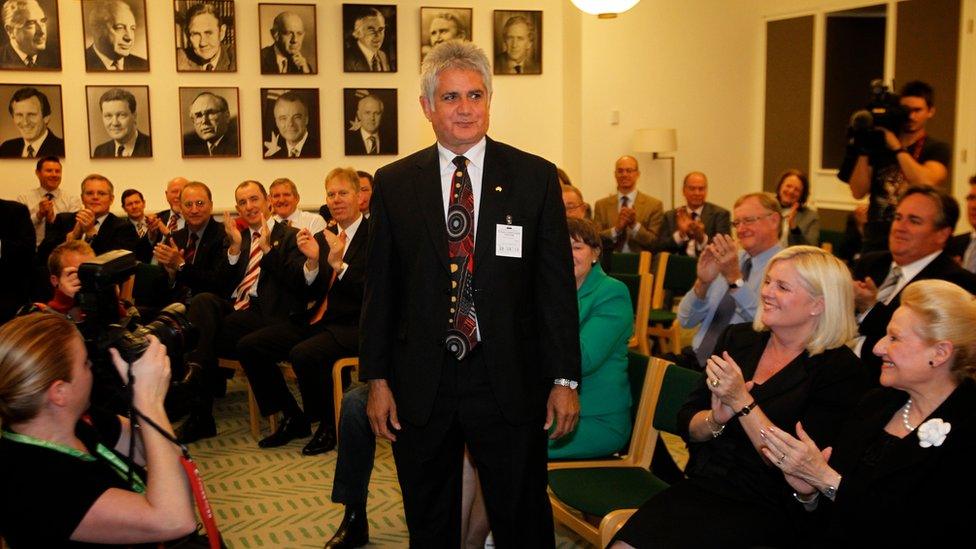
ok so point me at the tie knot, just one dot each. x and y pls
(624, 200)
(49, 196)
(461, 162)
(343, 236)
(193, 238)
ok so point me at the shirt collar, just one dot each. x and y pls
(762, 257)
(129, 145)
(475, 156)
(631, 197)
(351, 230)
(108, 62)
(368, 53)
(37, 142)
(910, 271)
(23, 56)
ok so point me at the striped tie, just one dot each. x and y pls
(174, 219)
(251, 275)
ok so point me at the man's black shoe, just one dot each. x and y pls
(352, 532)
(289, 428)
(196, 427)
(324, 440)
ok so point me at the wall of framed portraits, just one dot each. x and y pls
(221, 91)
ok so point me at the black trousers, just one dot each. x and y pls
(510, 458)
(312, 350)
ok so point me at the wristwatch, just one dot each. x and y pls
(566, 383)
(831, 491)
(737, 283)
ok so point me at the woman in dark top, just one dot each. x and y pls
(790, 365)
(61, 486)
(901, 471)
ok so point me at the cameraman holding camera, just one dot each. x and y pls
(884, 170)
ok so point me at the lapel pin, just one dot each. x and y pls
(498, 189)
(508, 220)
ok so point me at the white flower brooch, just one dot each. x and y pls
(933, 432)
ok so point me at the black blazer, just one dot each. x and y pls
(281, 285)
(311, 148)
(526, 307)
(269, 63)
(141, 149)
(48, 58)
(346, 294)
(115, 233)
(132, 63)
(715, 219)
(51, 146)
(16, 257)
(356, 147)
(956, 248)
(202, 275)
(228, 146)
(875, 324)
(913, 496)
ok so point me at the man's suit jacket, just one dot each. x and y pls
(132, 63)
(345, 294)
(715, 219)
(933, 480)
(355, 61)
(356, 147)
(281, 285)
(46, 59)
(649, 215)
(114, 233)
(526, 307)
(228, 146)
(311, 149)
(528, 67)
(269, 63)
(17, 243)
(141, 149)
(875, 323)
(202, 275)
(956, 248)
(186, 60)
(51, 146)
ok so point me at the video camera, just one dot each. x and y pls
(864, 131)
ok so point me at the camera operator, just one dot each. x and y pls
(61, 484)
(910, 158)
(63, 265)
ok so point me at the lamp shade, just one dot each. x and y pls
(656, 140)
(604, 8)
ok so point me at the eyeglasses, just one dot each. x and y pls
(191, 203)
(573, 206)
(749, 220)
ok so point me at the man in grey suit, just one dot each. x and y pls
(118, 108)
(688, 229)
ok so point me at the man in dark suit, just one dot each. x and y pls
(214, 133)
(688, 229)
(923, 222)
(364, 137)
(204, 33)
(518, 55)
(962, 247)
(262, 282)
(118, 107)
(166, 222)
(31, 113)
(94, 224)
(134, 205)
(193, 254)
(113, 29)
(293, 139)
(284, 56)
(17, 243)
(505, 365)
(328, 331)
(364, 52)
(25, 38)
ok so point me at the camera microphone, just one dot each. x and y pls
(861, 120)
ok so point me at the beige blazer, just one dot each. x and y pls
(650, 212)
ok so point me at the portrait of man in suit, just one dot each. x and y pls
(31, 35)
(291, 123)
(370, 44)
(114, 36)
(205, 36)
(31, 113)
(292, 49)
(442, 24)
(372, 126)
(116, 109)
(213, 120)
(518, 42)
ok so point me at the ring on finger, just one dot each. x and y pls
(779, 462)
(782, 456)
(714, 382)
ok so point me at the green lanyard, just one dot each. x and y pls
(120, 467)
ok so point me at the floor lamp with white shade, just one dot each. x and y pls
(657, 141)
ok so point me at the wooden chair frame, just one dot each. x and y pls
(668, 337)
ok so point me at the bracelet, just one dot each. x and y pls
(746, 409)
(709, 421)
(810, 499)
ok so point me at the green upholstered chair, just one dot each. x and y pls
(621, 262)
(639, 286)
(675, 277)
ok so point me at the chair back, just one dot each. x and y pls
(644, 390)
(630, 263)
(675, 276)
(831, 241)
(677, 384)
(639, 286)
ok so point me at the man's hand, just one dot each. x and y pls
(865, 294)
(706, 271)
(45, 210)
(891, 140)
(233, 233)
(563, 409)
(265, 241)
(299, 60)
(791, 215)
(726, 253)
(68, 282)
(168, 255)
(684, 222)
(336, 249)
(84, 222)
(381, 409)
(697, 231)
(626, 218)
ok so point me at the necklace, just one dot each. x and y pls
(904, 415)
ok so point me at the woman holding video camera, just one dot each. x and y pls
(61, 486)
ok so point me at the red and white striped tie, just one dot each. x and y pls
(251, 275)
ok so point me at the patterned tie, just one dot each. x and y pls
(251, 275)
(376, 63)
(119, 151)
(141, 228)
(174, 219)
(320, 312)
(463, 321)
(115, 66)
(887, 289)
(618, 246)
(30, 151)
(191, 248)
(720, 321)
(371, 145)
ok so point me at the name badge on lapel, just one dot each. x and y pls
(508, 240)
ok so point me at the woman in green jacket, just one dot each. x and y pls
(606, 319)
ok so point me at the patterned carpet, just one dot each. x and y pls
(279, 498)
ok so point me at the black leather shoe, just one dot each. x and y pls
(196, 427)
(352, 532)
(324, 440)
(289, 428)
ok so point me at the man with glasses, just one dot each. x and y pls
(214, 133)
(192, 254)
(688, 229)
(726, 289)
(629, 217)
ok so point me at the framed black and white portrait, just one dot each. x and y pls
(31, 38)
(518, 42)
(442, 24)
(210, 122)
(116, 38)
(290, 123)
(206, 38)
(370, 117)
(118, 122)
(289, 42)
(32, 125)
(369, 38)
